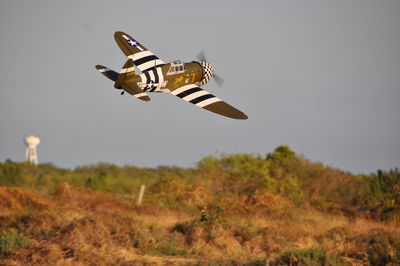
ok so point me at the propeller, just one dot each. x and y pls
(201, 56)
(219, 80)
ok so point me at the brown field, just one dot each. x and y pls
(235, 210)
(75, 226)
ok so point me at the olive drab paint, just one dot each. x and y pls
(154, 75)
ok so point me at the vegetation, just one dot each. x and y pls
(316, 255)
(237, 209)
(11, 241)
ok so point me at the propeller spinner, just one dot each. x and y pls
(209, 70)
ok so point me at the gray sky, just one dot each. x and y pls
(320, 76)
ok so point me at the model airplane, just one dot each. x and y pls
(180, 79)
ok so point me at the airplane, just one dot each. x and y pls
(178, 78)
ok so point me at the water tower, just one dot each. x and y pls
(31, 143)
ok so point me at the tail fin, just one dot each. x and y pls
(126, 71)
(111, 74)
(132, 88)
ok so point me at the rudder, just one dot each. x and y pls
(127, 70)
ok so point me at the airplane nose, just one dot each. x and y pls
(208, 72)
(208, 68)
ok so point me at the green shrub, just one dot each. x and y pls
(168, 248)
(209, 222)
(212, 214)
(11, 241)
(382, 247)
(235, 174)
(315, 255)
(10, 174)
(226, 179)
(256, 262)
(383, 197)
(280, 153)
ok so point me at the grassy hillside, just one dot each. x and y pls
(240, 209)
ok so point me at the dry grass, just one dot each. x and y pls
(80, 227)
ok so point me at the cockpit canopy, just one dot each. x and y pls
(177, 67)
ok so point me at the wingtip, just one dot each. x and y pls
(238, 116)
(227, 110)
(145, 98)
(243, 117)
(119, 34)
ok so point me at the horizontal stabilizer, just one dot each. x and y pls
(111, 74)
(134, 90)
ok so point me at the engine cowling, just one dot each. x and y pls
(208, 71)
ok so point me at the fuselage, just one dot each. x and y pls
(171, 76)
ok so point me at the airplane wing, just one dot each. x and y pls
(142, 58)
(197, 96)
(135, 91)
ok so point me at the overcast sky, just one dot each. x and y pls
(320, 76)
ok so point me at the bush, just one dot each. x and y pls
(280, 153)
(383, 198)
(382, 247)
(234, 174)
(315, 255)
(226, 179)
(257, 262)
(206, 226)
(11, 241)
(169, 249)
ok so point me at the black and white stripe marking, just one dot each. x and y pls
(146, 60)
(139, 95)
(127, 70)
(193, 94)
(153, 79)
